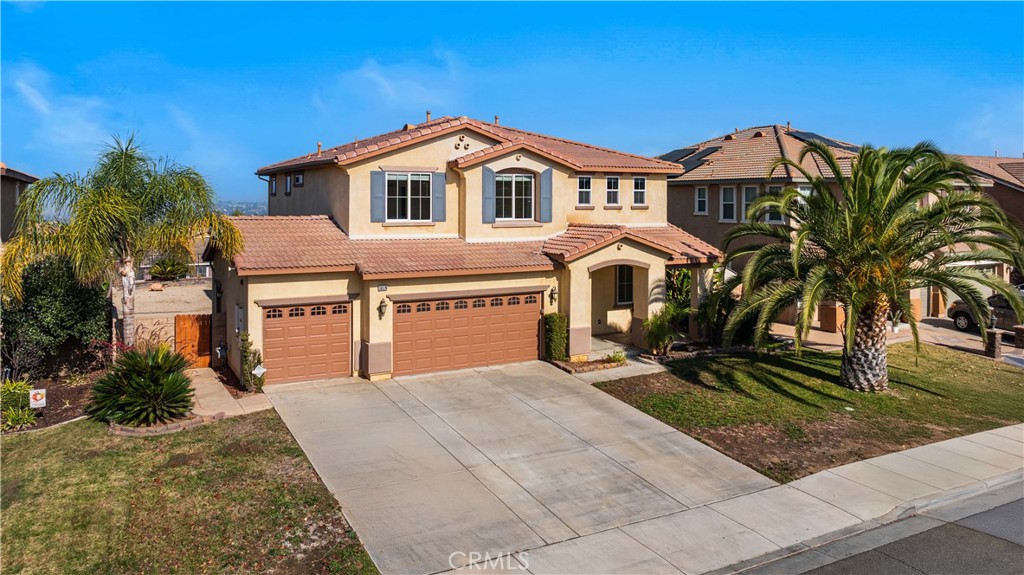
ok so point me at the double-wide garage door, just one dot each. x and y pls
(307, 342)
(456, 333)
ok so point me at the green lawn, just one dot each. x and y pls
(785, 416)
(234, 496)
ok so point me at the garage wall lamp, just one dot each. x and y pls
(382, 307)
(553, 295)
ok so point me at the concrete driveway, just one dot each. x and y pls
(441, 470)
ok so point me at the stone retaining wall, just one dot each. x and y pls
(165, 428)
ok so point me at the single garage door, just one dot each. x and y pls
(443, 334)
(307, 342)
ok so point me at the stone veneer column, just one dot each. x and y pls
(993, 347)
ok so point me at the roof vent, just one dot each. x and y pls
(788, 126)
(407, 127)
(428, 115)
(730, 137)
(759, 134)
(497, 120)
(319, 148)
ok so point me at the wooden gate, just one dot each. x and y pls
(192, 338)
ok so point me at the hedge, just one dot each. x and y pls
(556, 337)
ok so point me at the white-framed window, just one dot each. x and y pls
(727, 204)
(749, 196)
(408, 197)
(287, 184)
(804, 189)
(700, 201)
(583, 190)
(513, 197)
(272, 185)
(639, 191)
(774, 216)
(623, 285)
(611, 190)
(298, 179)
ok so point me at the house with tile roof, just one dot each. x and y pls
(12, 183)
(440, 246)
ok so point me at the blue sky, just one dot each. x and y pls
(231, 87)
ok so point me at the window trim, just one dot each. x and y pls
(272, 185)
(642, 191)
(620, 282)
(589, 189)
(743, 199)
(608, 191)
(768, 217)
(533, 198)
(722, 202)
(696, 201)
(408, 198)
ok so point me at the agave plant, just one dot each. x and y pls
(901, 220)
(144, 387)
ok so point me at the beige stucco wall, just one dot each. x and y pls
(606, 316)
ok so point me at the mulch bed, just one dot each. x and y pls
(66, 397)
(231, 382)
(585, 366)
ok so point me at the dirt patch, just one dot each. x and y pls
(237, 448)
(9, 492)
(183, 460)
(794, 450)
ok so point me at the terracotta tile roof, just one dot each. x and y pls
(16, 174)
(313, 243)
(580, 156)
(278, 244)
(1009, 171)
(581, 239)
(748, 154)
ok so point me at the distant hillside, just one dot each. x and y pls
(243, 208)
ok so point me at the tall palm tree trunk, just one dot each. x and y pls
(865, 366)
(128, 299)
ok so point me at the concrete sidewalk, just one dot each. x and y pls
(211, 397)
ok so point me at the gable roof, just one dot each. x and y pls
(15, 174)
(1008, 171)
(581, 239)
(747, 155)
(577, 155)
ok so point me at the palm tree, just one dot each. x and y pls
(901, 220)
(128, 205)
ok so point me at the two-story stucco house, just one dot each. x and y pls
(440, 245)
(12, 183)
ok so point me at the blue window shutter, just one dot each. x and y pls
(377, 189)
(545, 195)
(437, 200)
(488, 195)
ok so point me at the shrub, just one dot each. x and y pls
(661, 328)
(250, 359)
(15, 418)
(677, 286)
(617, 356)
(14, 394)
(714, 311)
(168, 268)
(144, 387)
(556, 337)
(55, 319)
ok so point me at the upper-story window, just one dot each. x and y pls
(272, 184)
(749, 197)
(298, 179)
(287, 184)
(612, 187)
(583, 190)
(727, 211)
(774, 216)
(513, 195)
(408, 197)
(639, 191)
(700, 201)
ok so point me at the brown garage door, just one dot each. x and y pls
(438, 335)
(307, 342)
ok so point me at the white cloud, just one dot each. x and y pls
(995, 125)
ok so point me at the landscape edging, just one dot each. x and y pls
(163, 429)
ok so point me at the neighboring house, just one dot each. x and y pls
(440, 245)
(12, 183)
(722, 176)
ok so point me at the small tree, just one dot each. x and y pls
(250, 359)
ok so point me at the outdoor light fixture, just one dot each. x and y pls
(382, 307)
(553, 294)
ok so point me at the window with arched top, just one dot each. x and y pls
(274, 313)
(479, 303)
(442, 306)
(497, 302)
(531, 299)
(339, 309)
(403, 308)
(318, 310)
(514, 300)
(423, 307)
(296, 312)
(461, 304)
